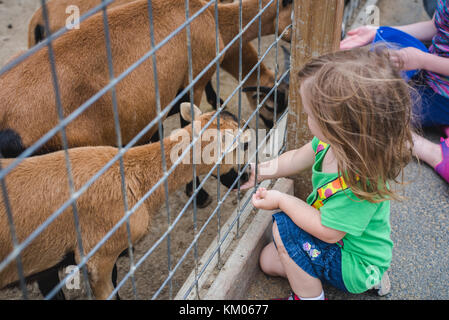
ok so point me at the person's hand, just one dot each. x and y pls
(266, 199)
(358, 37)
(407, 58)
(252, 178)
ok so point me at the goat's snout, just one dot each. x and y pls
(228, 179)
(245, 176)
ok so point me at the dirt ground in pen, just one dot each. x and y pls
(14, 18)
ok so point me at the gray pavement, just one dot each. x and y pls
(420, 225)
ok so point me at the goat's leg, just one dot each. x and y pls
(156, 137)
(47, 281)
(211, 96)
(202, 197)
(114, 279)
(114, 271)
(100, 275)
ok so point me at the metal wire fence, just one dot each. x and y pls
(162, 112)
(272, 94)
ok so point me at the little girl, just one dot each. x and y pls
(359, 110)
(432, 82)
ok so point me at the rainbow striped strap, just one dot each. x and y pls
(329, 190)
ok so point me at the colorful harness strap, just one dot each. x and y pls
(329, 189)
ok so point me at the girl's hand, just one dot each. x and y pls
(252, 179)
(407, 58)
(358, 37)
(266, 199)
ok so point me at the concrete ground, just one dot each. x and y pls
(420, 225)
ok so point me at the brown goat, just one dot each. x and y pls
(27, 98)
(38, 186)
(57, 20)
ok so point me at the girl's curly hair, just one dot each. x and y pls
(363, 108)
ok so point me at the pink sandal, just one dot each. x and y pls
(443, 167)
(445, 131)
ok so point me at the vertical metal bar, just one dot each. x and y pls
(119, 144)
(239, 115)
(276, 69)
(161, 139)
(258, 91)
(195, 227)
(12, 229)
(65, 145)
(217, 48)
(276, 72)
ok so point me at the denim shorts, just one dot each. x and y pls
(319, 259)
(430, 109)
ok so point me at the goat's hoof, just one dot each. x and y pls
(204, 201)
(202, 198)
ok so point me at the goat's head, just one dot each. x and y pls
(273, 21)
(221, 141)
(285, 19)
(267, 111)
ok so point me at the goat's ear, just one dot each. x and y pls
(228, 137)
(186, 111)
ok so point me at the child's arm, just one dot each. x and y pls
(424, 31)
(364, 35)
(287, 164)
(412, 59)
(304, 216)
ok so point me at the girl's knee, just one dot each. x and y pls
(264, 259)
(269, 261)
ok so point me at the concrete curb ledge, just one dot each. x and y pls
(234, 278)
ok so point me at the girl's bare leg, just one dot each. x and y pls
(427, 151)
(270, 263)
(302, 284)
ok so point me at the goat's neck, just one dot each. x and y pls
(228, 19)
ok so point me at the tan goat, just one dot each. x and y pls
(38, 187)
(27, 98)
(57, 20)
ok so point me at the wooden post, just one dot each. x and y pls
(316, 30)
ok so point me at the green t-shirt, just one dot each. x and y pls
(366, 247)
